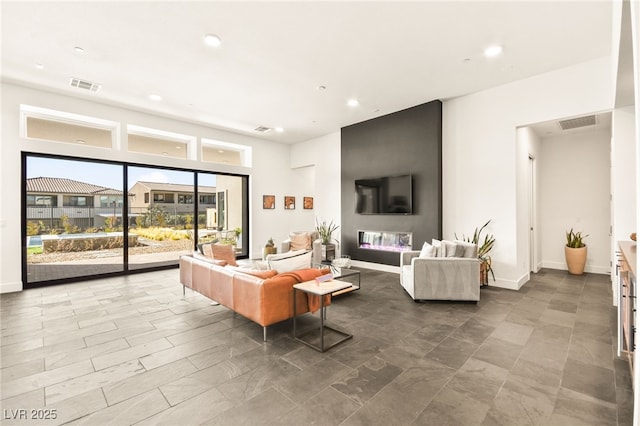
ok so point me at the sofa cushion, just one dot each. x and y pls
(224, 252)
(207, 250)
(283, 255)
(300, 241)
(264, 274)
(439, 248)
(427, 250)
(470, 249)
(301, 260)
(449, 248)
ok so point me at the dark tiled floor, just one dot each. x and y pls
(134, 350)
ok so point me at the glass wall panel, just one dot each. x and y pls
(162, 226)
(222, 210)
(69, 231)
(78, 221)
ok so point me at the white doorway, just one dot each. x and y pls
(533, 202)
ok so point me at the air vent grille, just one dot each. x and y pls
(84, 84)
(575, 123)
(262, 129)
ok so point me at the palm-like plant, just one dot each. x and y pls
(574, 239)
(483, 248)
(325, 230)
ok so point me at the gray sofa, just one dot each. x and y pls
(316, 245)
(440, 278)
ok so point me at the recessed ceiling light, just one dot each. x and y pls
(178, 147)
(165, 153)
(322, 87)
(353, 102)
(39, 66)
(80, 141)
(221, 151)
(212, 40)
(279, 129)
(78, 49)
(492, 51)
(155, 97)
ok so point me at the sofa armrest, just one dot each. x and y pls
(316, 248)
(285, 246)
(406, 256)
(446, 278)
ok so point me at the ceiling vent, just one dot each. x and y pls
(84, 84)
(575, 123)
(262, 129)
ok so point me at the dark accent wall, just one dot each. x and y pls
(407, 141)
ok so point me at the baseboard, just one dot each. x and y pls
(376, 266)
(592, 269)
(11, 287)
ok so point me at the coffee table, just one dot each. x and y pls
(321, 290)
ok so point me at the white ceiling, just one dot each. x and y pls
(274, 55)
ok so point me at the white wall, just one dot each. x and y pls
(271, 172)
(323, 156)
(480, 167)
(623, 179)
(575, 188)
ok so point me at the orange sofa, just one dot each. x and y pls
(264, 297)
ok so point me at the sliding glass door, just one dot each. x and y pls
(74, 212)
(161, 216)
(79, 223)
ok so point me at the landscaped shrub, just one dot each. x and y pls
(33, 228)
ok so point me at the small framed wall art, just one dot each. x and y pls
(268, 201)
(307, 203)
(289, 202)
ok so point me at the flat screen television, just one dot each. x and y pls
(384, 195)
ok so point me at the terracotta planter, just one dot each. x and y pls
(484, 276)
(576, 259)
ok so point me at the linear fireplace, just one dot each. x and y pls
(385, 240)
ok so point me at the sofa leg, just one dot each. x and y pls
(264, 334)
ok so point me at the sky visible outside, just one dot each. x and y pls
(109, 175)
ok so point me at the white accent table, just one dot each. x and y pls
(319, 289)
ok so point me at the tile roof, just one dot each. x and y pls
(66, 186)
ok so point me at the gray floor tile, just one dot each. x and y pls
(133, 349)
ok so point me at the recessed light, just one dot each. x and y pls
(155, 97)
(80, 141)
(279, 129)
(221, 151)
(492, 51)
(39, 66)
(78, 49)
(178, 147)
(322, 87)
(165, 153)
(353, 103)
(212, 40)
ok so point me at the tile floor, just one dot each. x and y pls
(134, 350)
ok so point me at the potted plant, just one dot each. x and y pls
(325, 231)
(269, 248)
(484, 247)
(575, 252)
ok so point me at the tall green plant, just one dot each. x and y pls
(574, 239)
(325, 230)
(484, 245)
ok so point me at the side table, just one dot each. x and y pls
(319, 289)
